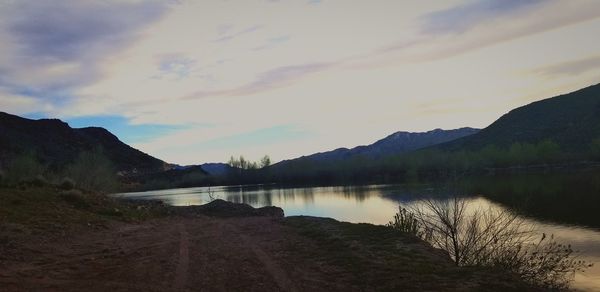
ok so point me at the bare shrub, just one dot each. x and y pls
(546, 263)
(495, 238)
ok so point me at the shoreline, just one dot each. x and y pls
(221, 246)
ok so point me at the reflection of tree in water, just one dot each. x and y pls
(359, 193)
(308, 195)
(408, 193)
(291, 194)
(251, 195)
(267, 197)
(568, 198)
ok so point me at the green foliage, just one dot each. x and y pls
(425, 164)
(405, 221)
(192, 179)
(595, 148)
(92, 170)
(23, 168)
(67, 183)
(548, 151)
(438, 163)
(522, 153)
(75, 198)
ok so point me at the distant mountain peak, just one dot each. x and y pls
(396, 143)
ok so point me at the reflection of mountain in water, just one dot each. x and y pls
(565, 198)
(266, 195)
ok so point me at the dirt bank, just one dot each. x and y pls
(187, 250)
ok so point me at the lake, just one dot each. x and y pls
(377, 204)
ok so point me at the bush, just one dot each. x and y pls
(93, 171)
(67, 183)
(406, 222)
(491, 238)
(75, 198)
(547, 263)
(39, 181)
(23, 168)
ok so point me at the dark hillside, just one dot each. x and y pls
(56, 143)
(572, 120)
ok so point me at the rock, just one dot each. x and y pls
(270, 211)
(221, 208)
(67, 183)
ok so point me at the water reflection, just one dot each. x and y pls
(541, 202)
(561, 198)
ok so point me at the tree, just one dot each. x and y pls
(243, 162)
(24, 167)
(548, 150)
(265, 161)
(92, 170)
(595, 148)
(233, 162)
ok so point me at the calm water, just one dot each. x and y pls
(377, 204)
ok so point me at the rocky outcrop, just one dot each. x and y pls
(221, 208)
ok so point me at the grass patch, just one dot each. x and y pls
(371, 254)
(378, 257)
(51, 206)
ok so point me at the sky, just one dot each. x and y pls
(198, 81)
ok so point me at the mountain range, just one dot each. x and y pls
(394, 144)
(55, 143)
(571, 120)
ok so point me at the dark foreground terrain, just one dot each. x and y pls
(53, 240)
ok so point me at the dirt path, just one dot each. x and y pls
(273, 268)
(178, 254)
(183, 262)
(199, 253)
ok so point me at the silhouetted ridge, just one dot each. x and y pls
(396, 143)
(572, 120)
(57, 144)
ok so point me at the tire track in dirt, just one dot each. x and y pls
(273, 268)
(183, 262)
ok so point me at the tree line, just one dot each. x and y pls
(426, 164)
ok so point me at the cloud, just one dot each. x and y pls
(345, 72)
(50, 47)
(459, 19)
(268, 80)
(272, 42)
(240, 33)
(20, 104)
(571, 68)
(176, 65)
(476, 25)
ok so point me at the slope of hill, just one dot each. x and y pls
(572, 120)
(56, 144)
(216, 168)
(397, 143)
